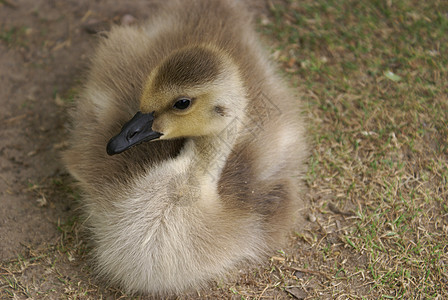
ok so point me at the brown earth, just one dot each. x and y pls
(44, 48)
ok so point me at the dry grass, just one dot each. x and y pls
(373, 75)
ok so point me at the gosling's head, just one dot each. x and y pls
(196, 91)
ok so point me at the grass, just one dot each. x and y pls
(373, 79)
(15, 36)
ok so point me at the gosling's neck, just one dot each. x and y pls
(209, 154)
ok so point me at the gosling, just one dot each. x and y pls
(188, 148)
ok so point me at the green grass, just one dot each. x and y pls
(14, 36)
(373, 76)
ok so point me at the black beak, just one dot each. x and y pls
(134, 132)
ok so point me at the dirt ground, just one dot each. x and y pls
(44, 51)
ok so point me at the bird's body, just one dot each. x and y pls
(218, 185)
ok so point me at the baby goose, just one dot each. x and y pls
(213, 181)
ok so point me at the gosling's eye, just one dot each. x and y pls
(182, 103)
